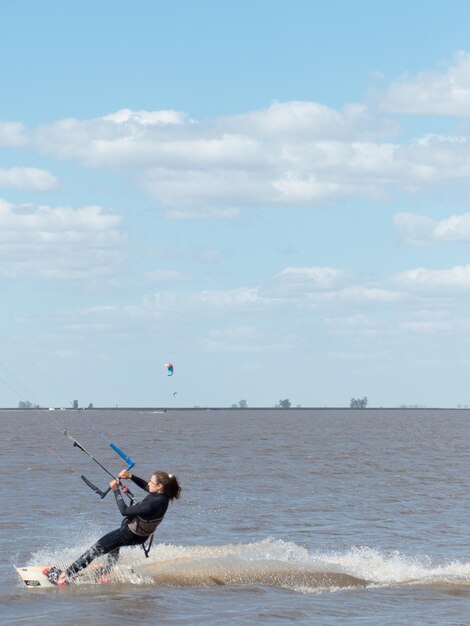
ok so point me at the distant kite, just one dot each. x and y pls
(169, 367)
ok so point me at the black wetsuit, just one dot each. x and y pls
(152, 506)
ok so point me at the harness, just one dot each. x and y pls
(143, 527)
(139, 526)
(147, 545)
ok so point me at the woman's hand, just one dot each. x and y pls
(114, 484)
(125, 474)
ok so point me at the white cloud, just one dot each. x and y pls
(27, 178)
(232, 300)
(146, 118)
(12, 135)
(288, 154)
(436, 282)
(444, 91)
(414, 228)
(295, 281)
(419, 229)
(44, 219)
(304, 120)
(301, 288)
(454, 228)
(343, 306)
(369, 294)
(58, 243)
(208, 190)
(323, 277)
(292, 153)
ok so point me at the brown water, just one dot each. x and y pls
(312, 516)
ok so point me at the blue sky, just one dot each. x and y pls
(272, 195)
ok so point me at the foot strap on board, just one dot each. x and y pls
(55, 576)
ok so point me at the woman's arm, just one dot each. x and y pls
(140, 482)
(150, 506)
(142, 508)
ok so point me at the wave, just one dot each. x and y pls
(193, 572)
(282, 564)
(288, 565)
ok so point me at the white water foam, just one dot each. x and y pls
(272, 562)
(395, 568)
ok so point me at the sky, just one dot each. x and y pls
(272, 195)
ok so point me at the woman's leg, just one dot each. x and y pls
(109, 543)
(113, 557)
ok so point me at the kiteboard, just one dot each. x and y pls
(32, 576)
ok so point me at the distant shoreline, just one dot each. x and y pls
(239, 410)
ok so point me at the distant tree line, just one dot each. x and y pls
(282, 404)
(26, 404)
(358, 403)
(243, 404)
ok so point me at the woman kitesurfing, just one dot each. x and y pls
(140, 518)
(139, 524)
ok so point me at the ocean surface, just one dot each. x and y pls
(309, 516)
